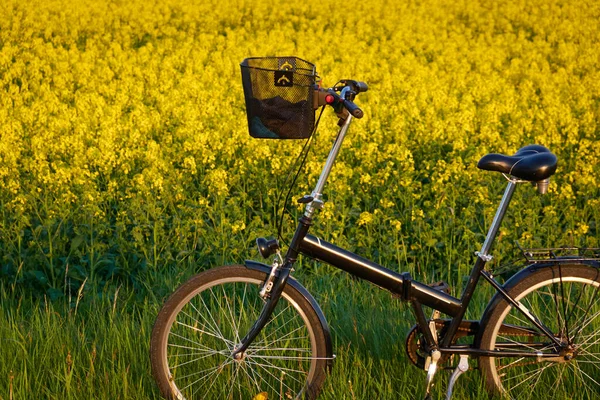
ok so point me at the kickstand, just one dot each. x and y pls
(462, 367)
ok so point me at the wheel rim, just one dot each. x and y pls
(575, 318)
(210, 321)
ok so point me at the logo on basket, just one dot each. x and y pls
(286, 66)
(284, 78)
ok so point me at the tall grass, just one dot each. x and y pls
(98, 347)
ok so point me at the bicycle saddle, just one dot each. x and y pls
(531, 163)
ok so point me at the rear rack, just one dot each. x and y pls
(558, 254)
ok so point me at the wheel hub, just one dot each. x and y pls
(569, 353)
(238, 356)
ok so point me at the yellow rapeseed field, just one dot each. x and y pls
(124, 146)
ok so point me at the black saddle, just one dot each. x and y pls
(531, 163)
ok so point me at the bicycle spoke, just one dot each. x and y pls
(292, 358)
(190, 348)
(583, 351)
(281, 338)
(517, 377)
(242, 308)
(203, 331)
(194, 360)
(587, 340)
(562, 288)
(282, 326)
(294, 349)
(202, 347)
(588, 362)
(210, 314)
(559, 380)
(216, 326)
(218, 303)
(537, 380)
(574, 306)
(585, 325)
(265, 381)
(233, 380)
(213, 381)
(205, 324)
(251, 376)
(518, 317)
(574, 365)
(587, 310)
(269, 372)
(511, 364)
(556, 307)
(228, 303)
(203, 352)
(206, 329)
(271, 344)
(211, 371)
(285, 370)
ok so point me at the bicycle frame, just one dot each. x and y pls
(400, 284)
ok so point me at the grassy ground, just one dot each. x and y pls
(99, 347)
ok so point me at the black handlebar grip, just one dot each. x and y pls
(353, 109)
(362, 87)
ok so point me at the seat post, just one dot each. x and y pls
(500, 212)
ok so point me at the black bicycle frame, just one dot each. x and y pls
(400, 284)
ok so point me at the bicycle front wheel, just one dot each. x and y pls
(565, 299)
(199, 325)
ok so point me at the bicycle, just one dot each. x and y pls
(253, 331)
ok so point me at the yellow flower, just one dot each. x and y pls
(238, 226)
(386, 203)
(217, 182)
(365, 218)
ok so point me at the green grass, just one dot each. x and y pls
(98, 347)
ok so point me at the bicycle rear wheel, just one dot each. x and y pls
(199, 325)
(565, 299)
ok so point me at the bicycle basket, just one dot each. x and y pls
(279, 97)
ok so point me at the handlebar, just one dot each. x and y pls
(335, 100)
(343, 101)
(353, 109)
(357, 86)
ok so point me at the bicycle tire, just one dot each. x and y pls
(565, 299)
(200, 323)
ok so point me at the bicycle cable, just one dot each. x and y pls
(303, 154)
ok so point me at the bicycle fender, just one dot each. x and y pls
(516, 278)
(258, 266)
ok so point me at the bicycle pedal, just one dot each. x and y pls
(441, 286)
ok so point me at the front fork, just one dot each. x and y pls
(266, 312)
(279, 281)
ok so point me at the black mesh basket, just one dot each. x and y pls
(279, 97)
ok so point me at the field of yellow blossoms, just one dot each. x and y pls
(125, 158)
